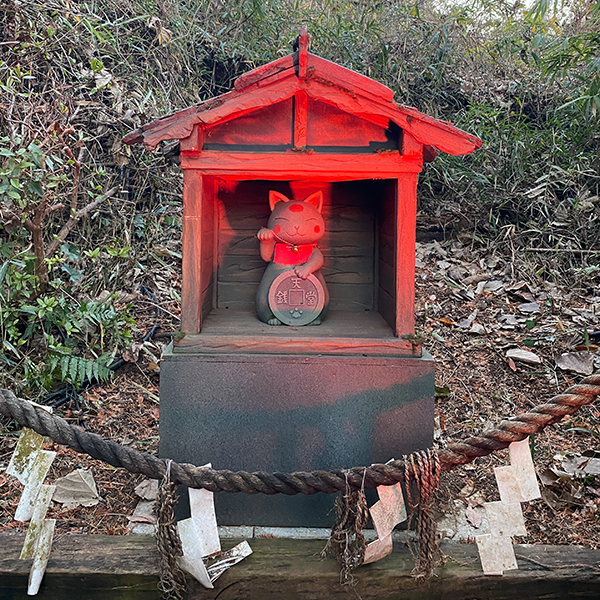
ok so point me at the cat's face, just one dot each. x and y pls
(297, 221)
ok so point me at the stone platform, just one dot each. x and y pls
(271, 412)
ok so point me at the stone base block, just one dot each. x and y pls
(291, 413)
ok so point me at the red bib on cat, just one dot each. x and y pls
(290, 254)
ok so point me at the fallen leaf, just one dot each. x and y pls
(509, 319)
(511, 364)
(103, 78)
(529, 307)
(579, 362)
(581, 466)
(523, 356)
(442, 391)
(133, 352)
(147, 489)
(493, 286)
(447, 321)
(76, 489)
(142, 519)
(473, 517)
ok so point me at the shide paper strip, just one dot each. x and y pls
(39, 469)
(517, 483)
(191, 561)
(37, 521)
(386, 514)
(23, 457)
(202, 508)
(200, 540)
(41, 556)
(496, 553)
(505, 519)
(508, 484)
(221, 563)
(522, 462)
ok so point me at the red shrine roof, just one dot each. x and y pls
(320, 80)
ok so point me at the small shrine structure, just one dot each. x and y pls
(354, 390)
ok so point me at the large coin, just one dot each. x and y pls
(296, 301)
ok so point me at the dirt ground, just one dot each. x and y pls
(472, 309)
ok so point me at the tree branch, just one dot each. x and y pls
(70, 224)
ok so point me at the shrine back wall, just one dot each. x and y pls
(350, 246)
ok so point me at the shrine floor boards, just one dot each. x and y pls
(95, 567)
(342, 332)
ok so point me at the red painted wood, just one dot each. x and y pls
(406, 227)
(329, 126)
(425, 129)
(209, 246)
(429, 153)
(193, 143)
(325, 82)
(249, 129)
(287, 344)
(300, 119)
(302, 53)
(411, 148)
(347, 79)
(191, 289)
(264, 72)
(301, 165)
(223, 108)
(177, 126)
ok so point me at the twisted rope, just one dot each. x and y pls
(424, 469)
(300, 482)
(347, 543)
(172, 580)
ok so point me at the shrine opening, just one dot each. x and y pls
(298, 354)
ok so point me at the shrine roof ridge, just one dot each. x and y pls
(321, 80)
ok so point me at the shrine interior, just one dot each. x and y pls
(358, 248)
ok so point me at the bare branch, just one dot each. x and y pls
(77, 165)
(70, 224)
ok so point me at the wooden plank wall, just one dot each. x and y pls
(349, 245)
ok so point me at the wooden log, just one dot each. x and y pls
(95, 567)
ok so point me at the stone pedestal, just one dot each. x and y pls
(288, 413)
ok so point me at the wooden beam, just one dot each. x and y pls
(257, 344)
(107, 567)
(302, 53)
(191, 289)
(194, 142)
(264, 72)
(300, 119)
(406, 225)
(301, 165)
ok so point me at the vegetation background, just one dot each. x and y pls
(86, 223)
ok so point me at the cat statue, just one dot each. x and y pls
(292, 290)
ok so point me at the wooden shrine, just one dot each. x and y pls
(353, 390)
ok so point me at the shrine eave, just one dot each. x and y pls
(321, 80)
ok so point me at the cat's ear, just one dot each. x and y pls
(275, 197)
(316, 200)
